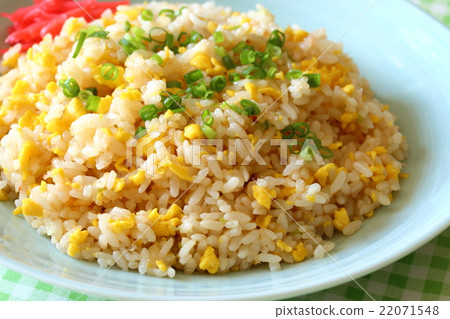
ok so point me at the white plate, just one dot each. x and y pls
(404, 53)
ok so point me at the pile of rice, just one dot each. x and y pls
(67, 170)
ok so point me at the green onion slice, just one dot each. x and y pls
(127, 26)
(173, 84)
(208, 131)
(271, 72)
(239, 47)
(157, 58)
(207, 118)
(218, 37)
(109, 71)
(127, 46)
(218, 83)
(148, 112)
(193, 76)
(140, 132)
(220, 51)
(294, 74)
(187, 39)
(93, 103)
(277, 38)
(247, 56)
(313, 79)
(228, 62)
(167, 12)
(250, 107)
(195, 37)
(70, 87)
(152, 37)
(84, 95)
(80, 43)
(146, 15)
(234, 76)
(325, 152)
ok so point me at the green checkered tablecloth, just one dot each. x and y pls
(422, 275)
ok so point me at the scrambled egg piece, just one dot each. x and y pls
(322, 173)
(120, 225)
(299, 252)
(181, 171)
(29, 208)
(263, 196)
(263, 221)
(161, 265)
(138, 178)
(341, 219)
(166, 225)
(209, 261)
(193, 131)
(201, 61)
(283, 246)
(78, 236)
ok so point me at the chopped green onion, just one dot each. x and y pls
(127, 46)
(273, 50)
(102, 34)
(147, 15)
(325, 152)
(148, 112)
(271, 72)
(218, 83)
(208, 131)
(294, 74)
(180, 11)
(167, 12)
(93, 103)
(172, 102)
(234, 107)
(158, 47)
(234, 77)
(157, 58)
(307, 153)
(195, 37)
(313, 79)
(92, 89)
(156, 29)
(301, 129)
(254, 72)
(264, 125)
(109, 71)
(207, 118)
(239, 47)
(140, 132)
(220, 51)
(218, 37)
(169, 40)
(138, 32)
(70, 87)
(80, 43)
(200, 90)
(84, 95)
(287, 132)
(193, 76)
(127, 26)
(250, 107)
(247, 56)
(173, 84)
(228, 62)
(277, 38)
(294, 151)
(186, 41)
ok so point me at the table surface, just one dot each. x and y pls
(422, 275)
